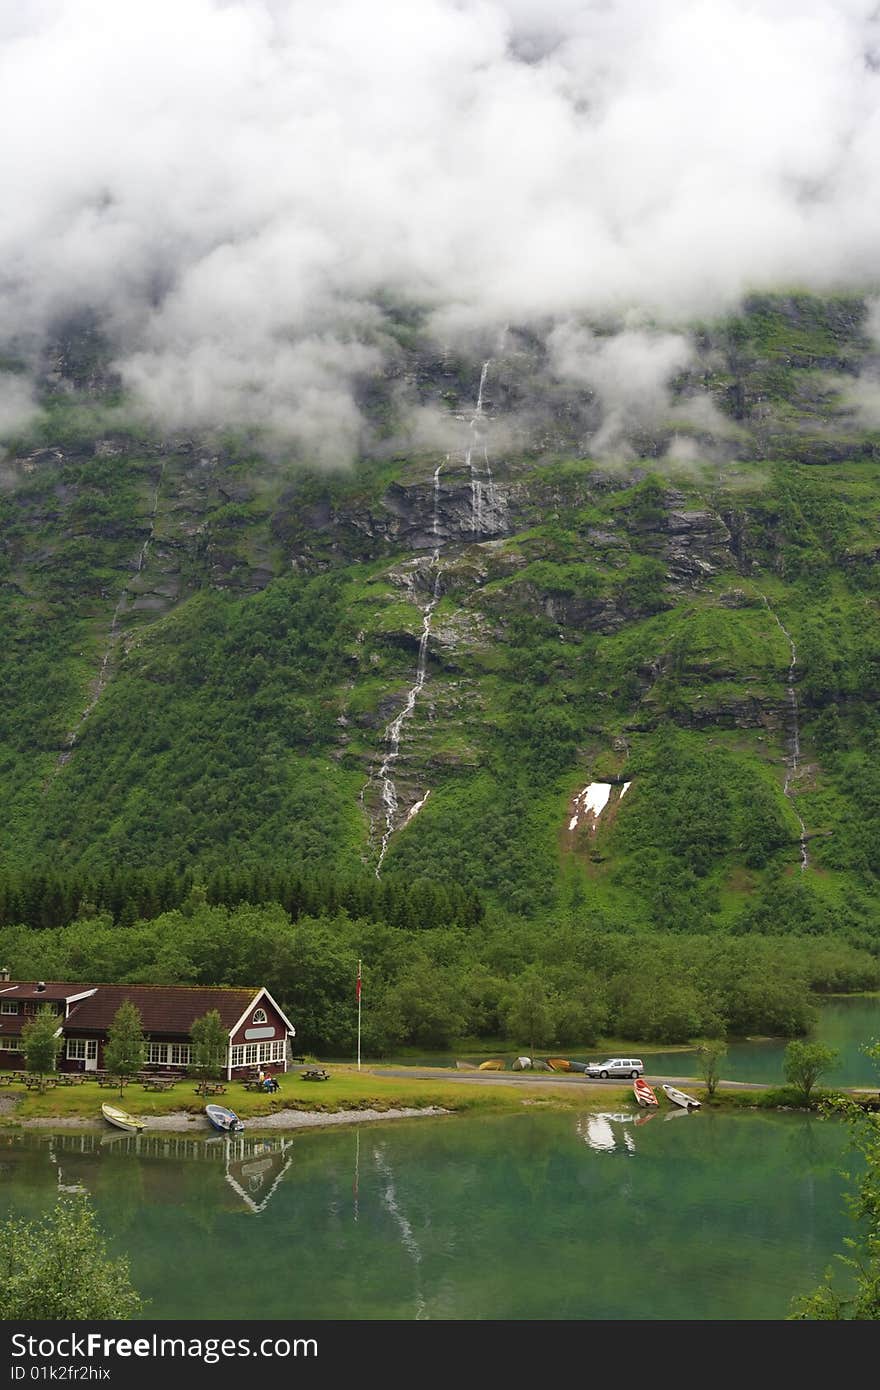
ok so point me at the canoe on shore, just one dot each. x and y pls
(466, 1066)
(121, 1119)
(559, 1064)
(494, 1065)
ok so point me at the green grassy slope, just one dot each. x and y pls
(258, 628)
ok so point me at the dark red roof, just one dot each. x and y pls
(165, 1009)
(27, 989)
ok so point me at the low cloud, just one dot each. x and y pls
(233, 185)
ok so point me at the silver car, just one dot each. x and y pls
(616, 1066)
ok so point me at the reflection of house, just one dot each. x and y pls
(258, 1030)
(254, 1170)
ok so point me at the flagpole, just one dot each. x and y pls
(359, 1015)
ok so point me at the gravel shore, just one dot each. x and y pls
(179, 1121)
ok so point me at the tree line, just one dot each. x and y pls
(45, 900)
(562, 982)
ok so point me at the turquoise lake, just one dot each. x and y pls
(845, 1024)
(622, 1215)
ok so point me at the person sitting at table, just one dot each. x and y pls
(270, 1084)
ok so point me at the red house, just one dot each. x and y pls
(258, 1028)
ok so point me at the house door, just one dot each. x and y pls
(91, 1054)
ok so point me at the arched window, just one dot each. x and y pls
(259, 1016)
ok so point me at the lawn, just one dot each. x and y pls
(346, 1089)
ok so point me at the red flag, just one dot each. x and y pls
(358, 986)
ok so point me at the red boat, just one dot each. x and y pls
(643, 1093)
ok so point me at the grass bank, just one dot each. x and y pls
(346, 1089)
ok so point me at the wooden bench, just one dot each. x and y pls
(210, 1088)
(315, 1074)
(116, 1081)
(157, 1083)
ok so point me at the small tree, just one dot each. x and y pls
(710, 1056)
(41, 1043)
(124, 1051)
(210, 1047)
(530, 1011)
(828, 1303)
(804, 1063)
(57, 1268)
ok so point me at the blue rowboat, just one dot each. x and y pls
(225, 1120)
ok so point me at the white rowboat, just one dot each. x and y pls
(121, 1119)
(680, 1098)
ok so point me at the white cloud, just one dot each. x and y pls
(230, 183)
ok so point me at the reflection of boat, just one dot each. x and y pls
(680, 1098)
(493, 1065)
(644, 1094)
(121, 1119)
(559, 1064)
(225, 1120)
(599, 1135)
(652, 1114)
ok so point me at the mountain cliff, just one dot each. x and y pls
(619, 659)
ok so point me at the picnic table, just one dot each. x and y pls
(315, 1074)
(38, 1082)
(105, 1080)
(158, 1083)
(210, 1088)
(70, 1078)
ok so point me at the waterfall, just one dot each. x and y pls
(392, 733)
(112, 635)
(482, 492)
(435, 524)
(794, 740)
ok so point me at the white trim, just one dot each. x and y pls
(165, 1049)
(253, 1004)
(77, 998)
(5, 1009)
(237, 1187)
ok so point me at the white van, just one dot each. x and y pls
(617, 1066)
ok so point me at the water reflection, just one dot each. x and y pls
(597, 1133)
(523, 1217)
(253, 1168)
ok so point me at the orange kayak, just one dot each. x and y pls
(559, 1064)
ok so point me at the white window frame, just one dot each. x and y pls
(9, 1006)
(82, 1049)
(250, 1054)
(10, 1044)
(260, 1016)
(159, 1054)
